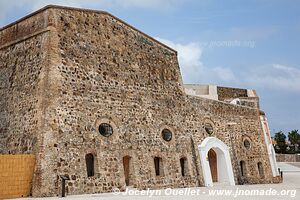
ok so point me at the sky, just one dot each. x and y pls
(252, 44)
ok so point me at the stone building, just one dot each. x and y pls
(100, 102)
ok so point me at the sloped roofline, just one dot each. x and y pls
(85, 10)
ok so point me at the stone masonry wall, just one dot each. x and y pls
(111, 72)
(229, 93)
(25, 89)
(288, 157)
(99, 69)
(21, 69)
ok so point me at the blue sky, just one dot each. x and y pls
(251, 44)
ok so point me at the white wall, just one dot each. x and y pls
(268, 142)
(225, 172)
(205, 91)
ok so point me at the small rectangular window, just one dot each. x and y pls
(243, 168)
(260, 169)
(89, 159)
(158, 166)
(183, 166)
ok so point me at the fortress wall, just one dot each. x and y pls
(109, 72)
(23, 28)
(232, 124)
(126, 79)
(99, 69)
(21, 72)
(25, 88)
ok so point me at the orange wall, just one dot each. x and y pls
(16, 173)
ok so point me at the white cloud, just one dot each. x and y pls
(252, 33)
(189, 58)
(273, 76)
(225, 74)
(189, 54)
(191, 65)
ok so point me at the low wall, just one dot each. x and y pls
(288, 157)
(16, 172)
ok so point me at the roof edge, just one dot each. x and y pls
(86, 10)
(222, 102)
(220, 86)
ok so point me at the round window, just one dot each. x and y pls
(246, 143)
(105, 129)
(208, 128)
(167, 135)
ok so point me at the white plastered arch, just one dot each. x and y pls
(225, 172)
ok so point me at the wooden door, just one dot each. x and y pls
(126, 162)
(212, 158)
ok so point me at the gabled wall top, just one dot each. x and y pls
(40, 19)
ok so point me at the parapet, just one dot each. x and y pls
(39, 20)
(238, 96)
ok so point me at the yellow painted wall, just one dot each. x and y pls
(16, 172)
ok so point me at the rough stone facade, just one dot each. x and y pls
(64, 71)
(226, 93)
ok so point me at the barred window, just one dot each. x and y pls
(167, 135)
(208, 128)
(105, 129)
(246, 144)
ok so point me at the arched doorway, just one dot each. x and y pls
(212, 158)
(215, 162)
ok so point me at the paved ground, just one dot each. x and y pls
(297, 164)
(289, 167)
(289, 189)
